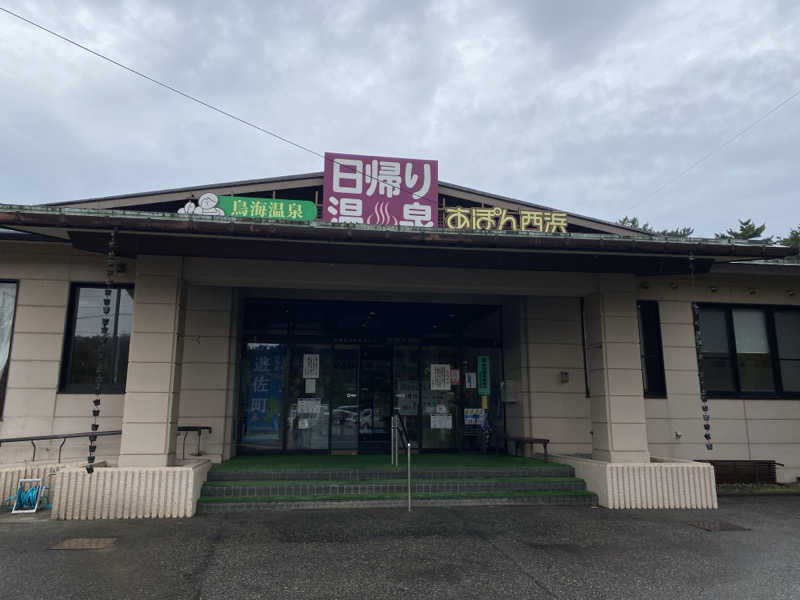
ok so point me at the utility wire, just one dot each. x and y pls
(712, 152)
(187, 95)
(162, 84)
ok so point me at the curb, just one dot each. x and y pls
(237, 507)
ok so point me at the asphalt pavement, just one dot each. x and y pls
(469, 552)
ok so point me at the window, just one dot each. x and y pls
(8, 303)
(650, 348)
(787, 334)
(749, 350)
(82, 343)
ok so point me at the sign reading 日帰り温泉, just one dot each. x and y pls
(255, 208)
(380, 190)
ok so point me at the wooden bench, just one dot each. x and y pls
(518, 441)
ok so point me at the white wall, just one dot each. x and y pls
(208, 381)
(33, 405)
(557, 411)
(546, 342)
(740, 429)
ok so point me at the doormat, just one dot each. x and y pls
(84, 544)
(717, 526)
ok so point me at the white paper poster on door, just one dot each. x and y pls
(310, 366)
(441, 421)
(440, 377)
(470, 380)
(309, 406)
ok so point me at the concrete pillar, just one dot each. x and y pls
(619, 432)
(150, 414)
(515, 368)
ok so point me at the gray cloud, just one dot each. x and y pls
(589, 106)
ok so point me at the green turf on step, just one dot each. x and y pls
(316, 482)
(298, 462)
(396, 496)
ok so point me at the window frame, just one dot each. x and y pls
(4, 376)
(772, 340)
(69, 333)
(659, 350)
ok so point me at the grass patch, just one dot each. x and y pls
(396, 496)
(299, 462)
(399, 480)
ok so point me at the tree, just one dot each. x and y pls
(679, 232)
(793, 239)
(747, 231)
(634, 222)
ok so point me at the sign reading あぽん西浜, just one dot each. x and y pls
(380, 190)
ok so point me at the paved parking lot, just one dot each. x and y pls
(430, 553)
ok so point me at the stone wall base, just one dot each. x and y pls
(129, 492)
(659, 484)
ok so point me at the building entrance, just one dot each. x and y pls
(327, 376)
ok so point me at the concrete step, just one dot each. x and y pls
(388, 473)
(311, 488)
(209, 505)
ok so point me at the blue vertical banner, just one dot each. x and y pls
(264, 392)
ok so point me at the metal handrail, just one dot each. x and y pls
(57, 436)
(398, 431)
(188, 428)
(185, 429)
(399, 435)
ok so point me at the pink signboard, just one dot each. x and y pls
(380, 190)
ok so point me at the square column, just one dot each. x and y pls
(150, 414)
(619, 431)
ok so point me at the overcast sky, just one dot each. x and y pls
(586, 106)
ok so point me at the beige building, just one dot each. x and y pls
(285, 335)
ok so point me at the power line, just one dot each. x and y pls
(160, 83)
(189, 96)
(711, 153)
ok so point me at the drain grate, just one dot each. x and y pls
(84, 544)
(717, 526)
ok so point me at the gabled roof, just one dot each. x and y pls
(307, 180)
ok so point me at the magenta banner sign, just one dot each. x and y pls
(380, 190)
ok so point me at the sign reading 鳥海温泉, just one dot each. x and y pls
(256, 208)
(379, 190)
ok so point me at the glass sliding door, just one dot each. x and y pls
(308, 397)
(481, 391)
(344, 398)
(375, 399)
(440, 410)
(260, 420)
(328, 375)
(406, 389)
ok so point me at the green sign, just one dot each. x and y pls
(484, 380)
(268, 208)
(211, 205)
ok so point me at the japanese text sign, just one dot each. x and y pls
(380, 190)
(483, 375)
(211, 205)
(544, 221)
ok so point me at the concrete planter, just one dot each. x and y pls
(660, 484)
(129, 492)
